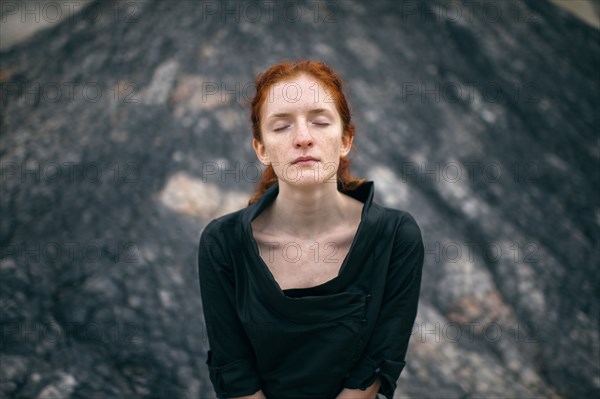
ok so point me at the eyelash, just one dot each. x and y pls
(285, 127)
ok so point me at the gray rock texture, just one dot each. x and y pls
(125, 129)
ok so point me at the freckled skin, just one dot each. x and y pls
(302, 132)
(317, 256)
(309, 211)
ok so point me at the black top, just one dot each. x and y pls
(310, 342)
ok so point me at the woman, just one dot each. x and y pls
(311, 291)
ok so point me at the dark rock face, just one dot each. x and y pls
(125, 129)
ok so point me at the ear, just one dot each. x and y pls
(261, 154)
(346, 145)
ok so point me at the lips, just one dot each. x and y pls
(304, 159)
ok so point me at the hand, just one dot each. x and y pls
(257, 395)
(369, 393)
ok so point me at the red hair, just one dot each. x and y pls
(333, 83)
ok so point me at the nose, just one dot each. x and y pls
(302, 137)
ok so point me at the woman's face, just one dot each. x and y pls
(299, 119)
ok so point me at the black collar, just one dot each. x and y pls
(363, 193)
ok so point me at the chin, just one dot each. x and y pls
(307, 178)
(317, 174)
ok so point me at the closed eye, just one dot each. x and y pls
(280, 128)
(321, 124)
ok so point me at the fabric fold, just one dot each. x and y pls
(366, 370)
(234, 378)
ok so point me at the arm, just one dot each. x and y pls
(257, 395)
(384, 355)
(230, 359)
(369, 393)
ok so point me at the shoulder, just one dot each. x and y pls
(405, 228)
(222, 230)
(225, 224)
(402, 220)
(216, 244)
(408, 249)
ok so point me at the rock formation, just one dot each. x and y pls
(125, 129)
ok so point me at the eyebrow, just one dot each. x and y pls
(312, 111)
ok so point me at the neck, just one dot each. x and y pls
(308, 212)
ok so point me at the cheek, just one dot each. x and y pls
(275, 150)
(334, 144)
